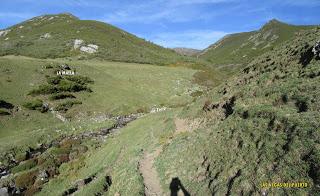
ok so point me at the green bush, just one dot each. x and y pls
(61, 96)
(54, 80)
(33, 105)
(36, 105)
(26, 165)
(67, 105)
(44, 89)
(4, 113)
(6, 105)
(26, 180)
(80, 79)
(69, 86)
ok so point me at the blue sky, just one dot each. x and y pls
(171, 23)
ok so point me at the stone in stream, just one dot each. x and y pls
(4, 191)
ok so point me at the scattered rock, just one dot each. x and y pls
(316, 49)
(77, 43)
(65, 67)
(42, 177)
(4, 32)
(45, 36)
(155, 109)
(4, 192)
(89, 49)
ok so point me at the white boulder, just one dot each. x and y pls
(93, 46)
(46, 36)
(89, 49)
(4, 32)
(77, 43)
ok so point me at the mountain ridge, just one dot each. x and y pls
(54, 36)
(245, 46)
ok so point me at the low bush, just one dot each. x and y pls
(69, 86)
(67, 105)
(63, 86)
(26, 165)
(44, 89)
(61, 96)
(33, 105)
(26, 179)
(54, 80)
(36, 105)
(4, 113)
(6, 105)
(80, 79)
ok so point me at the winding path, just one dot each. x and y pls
(149, 173)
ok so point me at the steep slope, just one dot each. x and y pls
(260, 127)
(241, 48)
(64, 35)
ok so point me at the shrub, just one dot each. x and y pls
(33, 105)
(44, 89)
(4, 113)
(48, 66)
(301, 103)
(80, 79)
(22, 156)
(26, 179)
(61, 96)
(54, 80)
(6, 105)
(26, 165)
(69, 86)
(36, 105)
(67, 105)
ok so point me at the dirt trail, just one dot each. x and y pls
(146, 165)
(149, 173)
(181, 126)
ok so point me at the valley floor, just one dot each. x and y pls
(89, 141)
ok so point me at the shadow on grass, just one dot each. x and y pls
(175, 186)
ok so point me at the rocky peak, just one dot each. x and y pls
(274, 23)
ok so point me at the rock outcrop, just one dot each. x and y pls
(45, 36)
(80, 44)
(4, 32)
(316, 49)
(91, 48)
(77, 43)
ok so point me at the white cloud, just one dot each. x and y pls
(16, 15)
(192, 2)
(168, 10)
(303, 3)
(197, 39)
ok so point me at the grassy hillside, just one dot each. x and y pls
(241, 48)
(262, 126)
(53, 36)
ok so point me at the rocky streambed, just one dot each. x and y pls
(47, 158)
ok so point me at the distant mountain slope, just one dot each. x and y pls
(243, 47)
(187, 51)
(64, 35)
